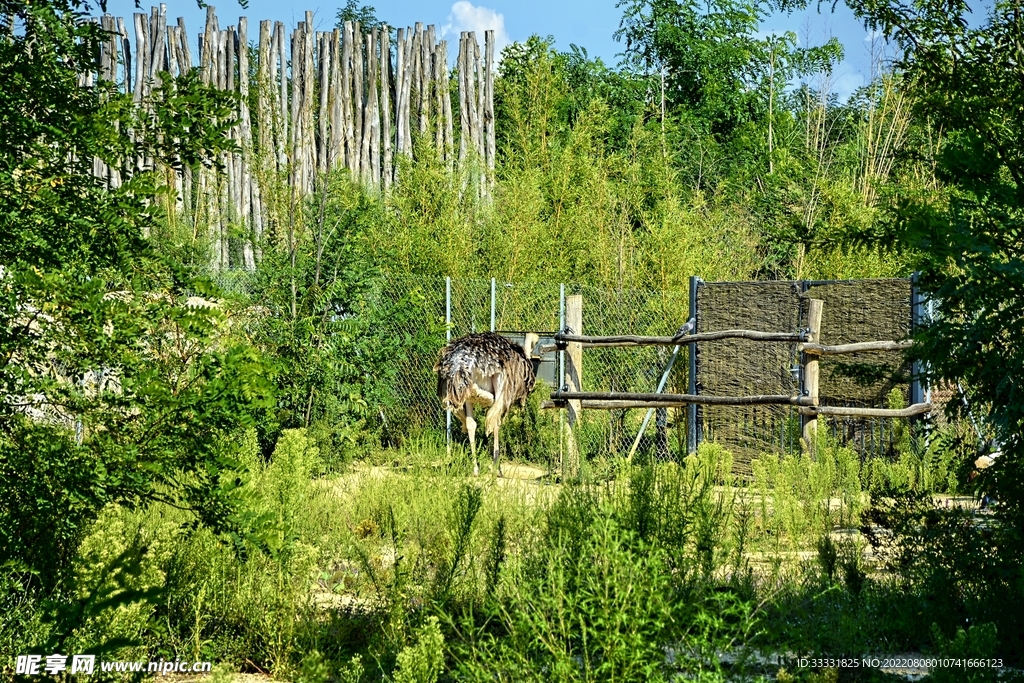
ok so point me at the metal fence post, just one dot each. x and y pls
(691, 386)
(492, 304)
(561, 372)
(916, 320)
(448, 338)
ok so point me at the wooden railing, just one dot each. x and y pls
(807, 402)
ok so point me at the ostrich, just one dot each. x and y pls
(485, 370)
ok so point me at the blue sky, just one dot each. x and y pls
(588, 23)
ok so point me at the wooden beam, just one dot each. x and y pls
(614, 405)
(810, 421)
(916, 409)
(633, 340)
(664, 400)
(574, 381)
(820, 350)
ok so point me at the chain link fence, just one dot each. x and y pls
(417, 314)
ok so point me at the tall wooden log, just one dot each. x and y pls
(295, 144)
(423, 82)
(185, 50)
(358, 99)
(446, 96)
(465, 132)
(153, 58)
(264, 82)
(347, 99)
(375, 117)
(127, 52)
(323, 112)
(387, 168)
(437, 94)
(408, 70)
(140, 50)
(471, 97)
(365, 165)
(282, 100)
(399, 85)
(106, 47)
(479, 109)
(337, 131)
(309, 85)
(245, 189)
(810, 374)
(488, 106)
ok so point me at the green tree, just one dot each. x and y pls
(112, 390)
(967, 235)
(366, 15)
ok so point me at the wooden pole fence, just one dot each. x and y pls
(810, 373)
(820, 350)
(851, 411)
(346, 99)
(806, 402)
(647, 400)
(633, 340)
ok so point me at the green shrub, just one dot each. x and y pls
(423, 661)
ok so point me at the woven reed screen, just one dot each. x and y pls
(854, 311)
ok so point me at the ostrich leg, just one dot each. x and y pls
(497, 450)
(471, 430)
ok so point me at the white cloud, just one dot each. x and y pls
(846, 83)
(465, 16)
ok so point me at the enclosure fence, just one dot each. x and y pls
(309, 102)
(436, 308)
